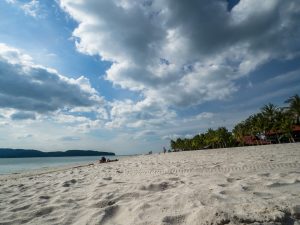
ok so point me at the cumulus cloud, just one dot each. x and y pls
(28, 87)
(143, 114)
(23, 116)
(184, 53)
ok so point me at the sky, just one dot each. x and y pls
(129, 75)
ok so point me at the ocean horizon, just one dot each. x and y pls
(19, 165)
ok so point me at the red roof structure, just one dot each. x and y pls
(295, 128)
(252, 140)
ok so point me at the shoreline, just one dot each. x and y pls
(20, 165)
(46, 170)
(41, 171)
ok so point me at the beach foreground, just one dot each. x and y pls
(250, 185)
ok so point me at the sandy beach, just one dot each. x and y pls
(249, 185)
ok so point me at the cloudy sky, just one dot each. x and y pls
(128, 75)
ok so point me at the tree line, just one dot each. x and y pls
(271, 124)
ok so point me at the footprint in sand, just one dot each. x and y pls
(14, 201)
(103, 204)
(46, 197)
(69, 183)
(263, 195)
(230, 180)
(278, 184)
(177, 219)
(156, 187)
(44, 211)
(20, 208)
(264, 174)
(109, 213)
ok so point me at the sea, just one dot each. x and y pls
(19, 165)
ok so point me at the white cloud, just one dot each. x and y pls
(171, 137)
(31, 8)
(204, 115)
(144, 134)
(181, 53)
(70, 138)
(69, 119)
(243, 13)
(143, 114)
(29, 87)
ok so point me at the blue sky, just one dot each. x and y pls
(126, 76)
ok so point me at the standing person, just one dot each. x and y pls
(165, 150)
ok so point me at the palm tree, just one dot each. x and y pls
(239, 131)
(294, 107)
(269, 112)
(223, 136)
(260, 123)
(173, 144)
(198, 141)
(286, 125)
(278, 125)
(257, 125)
(211, 138)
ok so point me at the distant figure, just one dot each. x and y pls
(112, 160)
(103, 160)
(165, 150)
(150, 153)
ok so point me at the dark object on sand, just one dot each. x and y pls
(112, 160)
(104, 160)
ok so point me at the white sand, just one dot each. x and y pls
(251, 185)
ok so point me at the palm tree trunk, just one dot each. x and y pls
(293, 140)
(278, 139)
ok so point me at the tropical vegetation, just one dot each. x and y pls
(272, 124)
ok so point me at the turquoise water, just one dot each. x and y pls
(18, 165)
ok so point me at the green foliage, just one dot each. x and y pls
(270, 120)
(294, 107)
(219, 138)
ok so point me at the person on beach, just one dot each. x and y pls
(112, 160)
(104, 160)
